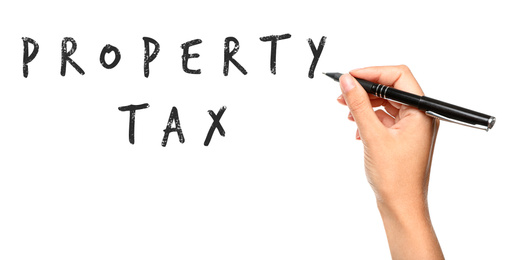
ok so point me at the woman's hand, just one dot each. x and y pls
(398, 146)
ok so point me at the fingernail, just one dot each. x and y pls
(347, 83)
(357, 136)
(350, 117)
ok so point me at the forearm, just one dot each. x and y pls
(409, 231)
(398, 145)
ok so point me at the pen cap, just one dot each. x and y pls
(456, 112)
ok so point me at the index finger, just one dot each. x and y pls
(399, 77)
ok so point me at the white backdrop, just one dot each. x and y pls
(287, 180)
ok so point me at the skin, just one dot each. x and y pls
(398, 146)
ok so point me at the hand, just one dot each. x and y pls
(398, 146)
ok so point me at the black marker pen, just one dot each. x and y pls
(432, 107)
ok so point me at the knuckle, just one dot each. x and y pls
(404, 68)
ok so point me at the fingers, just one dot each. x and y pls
(360, 106)
(341, 100)
(375, 101)
(391, 107)
(361, 103)
(350, 117)
(385, 119)
(399, 77)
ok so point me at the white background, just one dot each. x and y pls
(287, 180)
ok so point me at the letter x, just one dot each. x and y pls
(215, 124)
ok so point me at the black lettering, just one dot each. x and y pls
(273, 54)
(174, 116)
(316, 53)
(107, 49)
(228, 56)
(66, 56)
(185, 56)
(132, 109)
(215, 124)
(147, 57)
(28, 58)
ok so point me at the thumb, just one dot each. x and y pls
(359, 104)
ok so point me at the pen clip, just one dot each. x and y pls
(444, 118)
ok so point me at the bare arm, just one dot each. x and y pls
(398, 146)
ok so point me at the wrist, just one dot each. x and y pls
(403, 210)
(409, 230)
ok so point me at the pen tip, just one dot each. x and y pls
(324, 73)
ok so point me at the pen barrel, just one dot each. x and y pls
(432, 107)
(455, 112)
(393, 94)
(399, 96)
